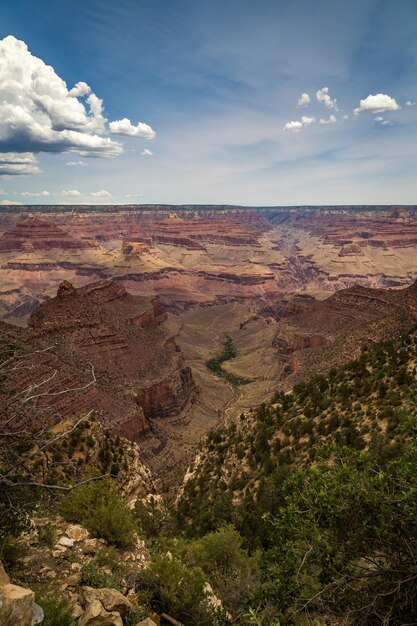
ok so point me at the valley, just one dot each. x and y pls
(184, 365)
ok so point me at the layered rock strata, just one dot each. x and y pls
(100, 348)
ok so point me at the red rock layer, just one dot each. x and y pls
(139, 370)
(36, 234)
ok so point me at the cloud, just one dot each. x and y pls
(303, 100)
(35, 194)
(377, 103)
(323, 96)
(331, 120)
(15, 164)
(13, 202)
(126, 128)
(294, 126)
(71, 192)
(297, 125)
(306, 121)
(39, 114)
(146, 152)
(409, 103)
(79, 90)
(103, 193)
(77, 164)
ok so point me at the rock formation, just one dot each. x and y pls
(17, 605)
(314, 336)
(100, 348)
(192, 256)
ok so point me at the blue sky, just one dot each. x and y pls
(218, 83)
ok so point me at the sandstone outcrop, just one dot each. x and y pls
(17, 605)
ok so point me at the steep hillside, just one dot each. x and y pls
(100, 348)
(240, 468)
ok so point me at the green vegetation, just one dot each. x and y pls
(323, 481)
(100, 507)
(57, 609)
(169, 586)
(215, 364)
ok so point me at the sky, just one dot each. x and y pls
(261, 103)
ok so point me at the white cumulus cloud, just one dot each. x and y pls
(13, 202)
(332, 119)
(324, 97)
(409, 103)
(79, 90)
(146, 152)
(306, 121)
(297, 125)
(303, 100)
(377, 103)
(39, 114)
(71, 193)
(102, 193)
(294, 126)
(126, 128)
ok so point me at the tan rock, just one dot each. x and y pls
(111, 599)
(146, 622)
(4, 579)
(96, 615)
(77, 611)
(77, 532)
(90, 546)
(66, 542)
(17, 606)
(74, 580)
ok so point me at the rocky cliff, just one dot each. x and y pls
(314, 336)
(100, 348)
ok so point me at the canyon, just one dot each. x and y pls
(194, 256)
(143, 297)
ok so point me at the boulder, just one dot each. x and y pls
(146, 622)
(77, 532)
(111, 599)
(17, 606)
(66, 542)
(96, 615)
(4, 579)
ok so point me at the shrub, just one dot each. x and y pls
(100, 507)
(232, 572)
(178, 590)
(57, 609)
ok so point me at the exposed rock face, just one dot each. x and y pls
(96, 615)
(17, 605)
(199, 256)
(38, 234)
(315, 336)
(112, 350)
(111, 599)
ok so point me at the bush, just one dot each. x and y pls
(100, 507)
(232, 572)
(93, 576)
(178, 590)
(57, 609)
(153, 518)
